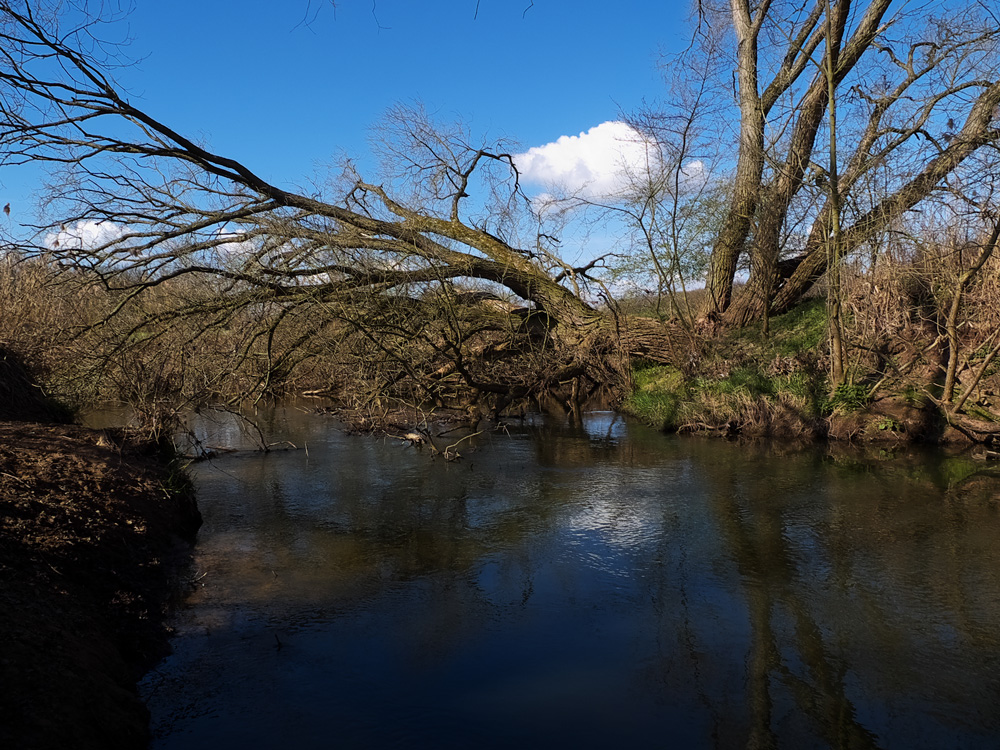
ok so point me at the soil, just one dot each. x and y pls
(94, 533)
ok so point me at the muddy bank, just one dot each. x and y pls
(886, 420)
(94, 530)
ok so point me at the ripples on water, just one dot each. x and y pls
(591, 586)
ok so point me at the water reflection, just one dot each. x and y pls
(584, 586)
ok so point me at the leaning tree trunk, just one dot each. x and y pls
(749, 168)
(977, 131)
(754, 302)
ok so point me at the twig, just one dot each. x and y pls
(451, 454)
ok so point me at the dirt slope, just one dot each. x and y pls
(91, 543)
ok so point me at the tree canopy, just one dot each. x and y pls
(415, 253)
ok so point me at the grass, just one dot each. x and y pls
(744, 381)
(802, 328)
(848, 397)
(747, 377)
(658, 395)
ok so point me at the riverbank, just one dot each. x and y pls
(776, 385)
(94, 530)
(754, 406)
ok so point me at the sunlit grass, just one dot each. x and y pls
(746, 377)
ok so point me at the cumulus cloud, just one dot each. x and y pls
(594, 164)
(608, 161)
(694, 173)
(234, 244)
(85, 235)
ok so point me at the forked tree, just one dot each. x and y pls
(918, 94)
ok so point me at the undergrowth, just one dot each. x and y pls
(764, 385)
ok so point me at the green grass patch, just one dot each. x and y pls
(743, 369)
(657, 397)
(661, 410)
(849, 397)
(801, 328)
(742, 380)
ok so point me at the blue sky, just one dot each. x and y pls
(286, 97)
(262, 86)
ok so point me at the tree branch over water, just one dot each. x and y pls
(449, 217)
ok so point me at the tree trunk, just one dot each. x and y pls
(754, 301)
(749, 168)
(977, 131)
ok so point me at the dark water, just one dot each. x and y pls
(588, 587)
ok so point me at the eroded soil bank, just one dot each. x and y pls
(94, 532)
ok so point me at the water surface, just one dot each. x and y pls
(583, 586)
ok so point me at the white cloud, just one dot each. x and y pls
(85, 235)
(694, 173)
(606, 162)
(594, 164)
(234, 244)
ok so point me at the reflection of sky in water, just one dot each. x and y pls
(604, 425)
(584, 586)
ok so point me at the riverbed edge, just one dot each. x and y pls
(96, 533)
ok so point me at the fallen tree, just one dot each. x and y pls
(384, 269)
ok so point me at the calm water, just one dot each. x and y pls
(584, 587)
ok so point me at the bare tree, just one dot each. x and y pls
(373, 256)
(434, 254)
(986, 251)
(905, 73)
(664, 205)
(673, 200)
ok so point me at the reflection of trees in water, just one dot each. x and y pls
(755, 534)
(846, 589)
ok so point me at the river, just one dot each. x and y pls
(582, 586)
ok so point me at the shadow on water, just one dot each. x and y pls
(583, 586)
